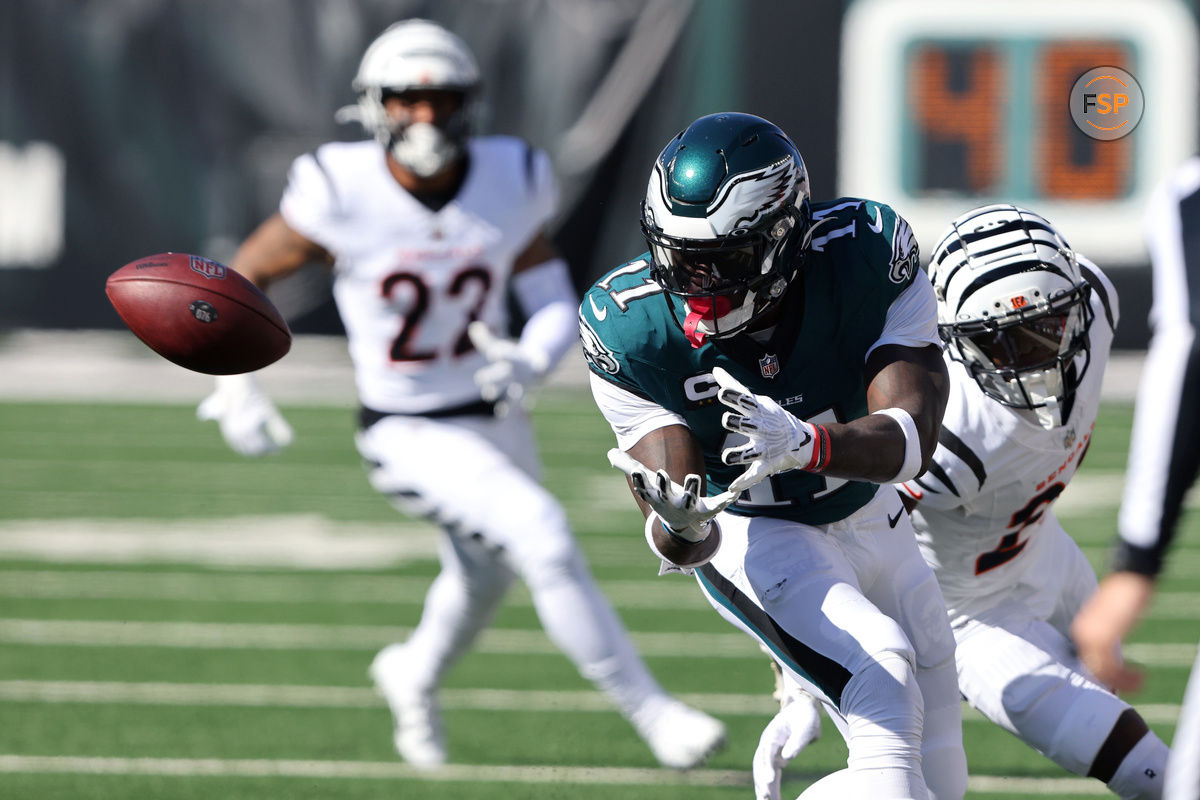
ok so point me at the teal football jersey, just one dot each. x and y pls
(862, 256)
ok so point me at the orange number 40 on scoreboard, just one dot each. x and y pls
(946, 105)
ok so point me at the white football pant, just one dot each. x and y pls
(855, 616)
(1017, 665)
(475, 476)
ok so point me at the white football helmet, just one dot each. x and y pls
(1014, 308)
(409, 55)
(727, 219)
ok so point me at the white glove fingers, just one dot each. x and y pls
(639, 486)
(753, 475)
(212, 407)
(737, 423)
(483, 339)
(279, 431)
(625, 462)
(717, 503)
(740, 454)
(634, 469)
(663, 486)
(738, 401)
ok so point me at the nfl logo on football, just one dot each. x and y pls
(209, 269)
(769, 366)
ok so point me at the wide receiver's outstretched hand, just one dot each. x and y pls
(778, 440)
(249, 421)
(510, 371)
(682, 519)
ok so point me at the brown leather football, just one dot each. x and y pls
(198, 314)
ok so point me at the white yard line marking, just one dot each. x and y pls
(294, 696)
(473, 773)
(301, 541)
(119, 633)
(264, 768)
(1054, 787)
(299, 589)
(652, 593)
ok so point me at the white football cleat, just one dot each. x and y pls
(680, 736)
(419, 735)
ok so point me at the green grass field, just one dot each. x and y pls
(178, 622)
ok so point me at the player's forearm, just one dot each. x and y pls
(907, 396)
(547, 298)
(871, 448)
(672, 448)
(273, 250)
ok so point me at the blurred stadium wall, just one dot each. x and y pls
(129, 127)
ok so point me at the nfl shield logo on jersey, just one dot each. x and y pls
(769, 365)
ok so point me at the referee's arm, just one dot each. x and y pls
(1164, 451)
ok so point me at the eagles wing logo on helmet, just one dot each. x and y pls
(761, 192)
(727, 219)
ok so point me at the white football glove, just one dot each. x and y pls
(249, 421)
(681, 508)
(796, 726)
(778, 440)
(510, 371)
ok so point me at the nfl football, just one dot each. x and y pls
(199, 314)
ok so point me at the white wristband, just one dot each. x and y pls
(911, 466)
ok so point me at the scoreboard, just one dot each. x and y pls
(947, 105)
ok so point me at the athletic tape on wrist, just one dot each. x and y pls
(911, 465)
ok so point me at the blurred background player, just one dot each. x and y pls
(1029, 325)
(1164, 455)
(775, 311)
(426, 230)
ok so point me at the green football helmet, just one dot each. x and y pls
(727, 219)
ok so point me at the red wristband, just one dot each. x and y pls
(821, 452)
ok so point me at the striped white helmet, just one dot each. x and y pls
(409, 55)
(1013, 308)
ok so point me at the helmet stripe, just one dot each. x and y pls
(993, 275)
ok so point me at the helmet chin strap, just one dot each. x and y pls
(1050, 414)
(424, 148)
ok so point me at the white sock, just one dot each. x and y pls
(451, 619)
(580, 621)
(1140, 774)
(884, 713)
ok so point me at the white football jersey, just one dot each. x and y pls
(408, 280)
(996, 472)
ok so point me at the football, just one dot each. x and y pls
(198, 314)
